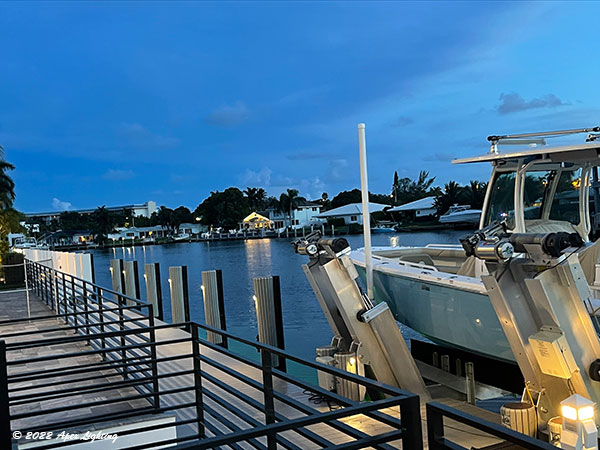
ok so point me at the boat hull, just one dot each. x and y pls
(445, 314)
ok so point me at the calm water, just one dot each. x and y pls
(241, 261)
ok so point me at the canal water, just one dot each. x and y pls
(241, 261)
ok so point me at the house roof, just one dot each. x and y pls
(306, 203)
(255, 217)
(423, 203)
(351, 209)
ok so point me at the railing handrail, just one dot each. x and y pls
(436, 411)
(104, 289)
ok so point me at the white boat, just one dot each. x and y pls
(181, 237)
(461, 214)
(383, 228)
(437, 290)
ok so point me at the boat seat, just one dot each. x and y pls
(549, 226)
(418, 258)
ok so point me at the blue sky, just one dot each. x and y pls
(117, 103)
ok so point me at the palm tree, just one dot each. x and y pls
(453, 194)
(7, 185)
(475, 194)
(288, 201)
(165, 218)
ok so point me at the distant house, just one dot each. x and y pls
(351, 213)
(303, 215)
(419, 209)
(122, 233)
(192, 228)
(256, 221)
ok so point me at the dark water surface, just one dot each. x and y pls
(241, 261)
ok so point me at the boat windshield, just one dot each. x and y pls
(547, 195)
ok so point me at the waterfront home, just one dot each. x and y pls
(422, 209)
(351, 213)
(304, 214)
(256, 221)
(192, 228)
(122, 233)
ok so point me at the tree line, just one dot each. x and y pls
(229, 207)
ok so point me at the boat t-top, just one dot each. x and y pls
(533, 188)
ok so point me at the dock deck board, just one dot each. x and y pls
(13, 306)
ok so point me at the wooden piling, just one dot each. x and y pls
(180, 300)
(214, 305)
(269, 315)
(132, 280)
(154, 288)
(118, 279)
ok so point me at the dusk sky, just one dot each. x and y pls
(117, 103)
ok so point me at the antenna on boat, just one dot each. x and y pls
(364, 186)
(535, 138)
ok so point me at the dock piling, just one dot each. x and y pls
(180, 299)
(470, 379)
(153, 288)
(132, 280)
(267, 299)
(214, 305)
(116, 274)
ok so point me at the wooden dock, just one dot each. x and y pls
(87, 361)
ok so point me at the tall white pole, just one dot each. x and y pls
(364, 184)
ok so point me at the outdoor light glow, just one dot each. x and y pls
(202, 287)
(254, 298)
(477, 321)
(587, 412)
(169, 280)
(352, 361)
(569, 412)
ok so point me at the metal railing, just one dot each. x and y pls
(436, 412)
(101, 359)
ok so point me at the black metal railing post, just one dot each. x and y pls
(267, 375)
(154, 364)
(74, 302)
(410, 419)
(64, 293)
(435, 429)
(84, 294)
(101, 320)
(5, 432)
(121, 318)
(197, 379)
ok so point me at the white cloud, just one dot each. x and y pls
(261, 178)
(60, 205)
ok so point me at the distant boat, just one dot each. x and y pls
(461, 214)
(181, 237)
(383, 228)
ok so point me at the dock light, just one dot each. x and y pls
(202, 287)
(352, 361)
(578, 426)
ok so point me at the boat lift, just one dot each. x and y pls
(358, 326)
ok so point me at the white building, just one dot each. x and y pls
(192, 228)
(143, 209)
(303, 215)
(422, 208)
(351, 213)
(123, 233)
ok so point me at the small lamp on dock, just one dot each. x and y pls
(579, 430)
